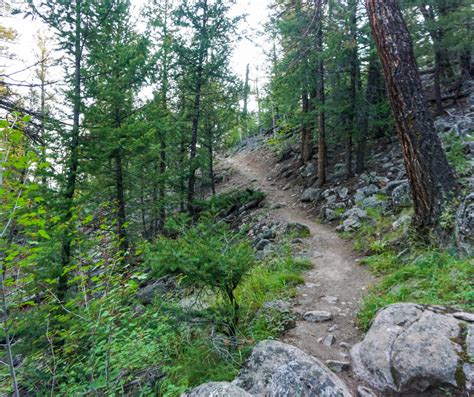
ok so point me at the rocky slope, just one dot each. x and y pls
(410, 349)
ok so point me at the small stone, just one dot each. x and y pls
(310, 194)
(329, 340)
(345, 345)
(317, 316)
(278, 305)
(469, 317)
(333, 328)
(343, 193)
(330, 299)
(298, 229)
(338, 366)
(217, 389)
(365, 392)
(330, 215)
(262, 244)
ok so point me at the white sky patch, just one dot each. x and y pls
(250, 50)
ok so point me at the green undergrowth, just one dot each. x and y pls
(410, 271)
(223, 202)
(455, 153)
(114, 345)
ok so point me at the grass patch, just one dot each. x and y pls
(410, 271)
(423, 276)
(455, 153)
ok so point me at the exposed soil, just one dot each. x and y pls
(335, 272)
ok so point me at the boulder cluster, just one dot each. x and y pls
(410, 350)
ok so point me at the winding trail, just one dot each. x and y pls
(335, 272)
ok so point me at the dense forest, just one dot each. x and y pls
(160, 211)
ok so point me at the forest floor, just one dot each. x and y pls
(336, 281)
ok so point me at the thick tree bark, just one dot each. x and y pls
(432, 180)
(320, 94)
(73, 159)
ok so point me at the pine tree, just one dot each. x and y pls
(203, 55)
(116, 69)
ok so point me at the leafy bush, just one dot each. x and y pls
(207, 256)
(226, 202)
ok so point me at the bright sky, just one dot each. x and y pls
(249, 51)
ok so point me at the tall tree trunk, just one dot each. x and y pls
(440, 56)
(354, 77)
(120, 198)
(165, 61)
(371, 96)
(348, 147)
(432, 180)
(162, 185)
(320, 94)
(73, 159)
(466, 66)
(246, 100)
(306, 144)
(194, 139)
(196, 114)
(182, 177)
(210, 148)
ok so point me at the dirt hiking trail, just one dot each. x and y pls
(335, 283)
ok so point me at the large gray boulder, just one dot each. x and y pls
(465, 226)
(279, 370)
(410, 349)
(373, 202)
(401, 195)
(217, 389)
(154, 289)
(391, 186)
(297, 229)
(311, 194)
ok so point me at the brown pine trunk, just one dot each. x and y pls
(371, 97)
(467, 71)
(354, 77)
(210, 149)
(245, 112)
(320, 95)
(432, 180)
(436, 36)
(306, 149)
(73, 159)
(196, 116)
(120, 199)
(162, 188)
